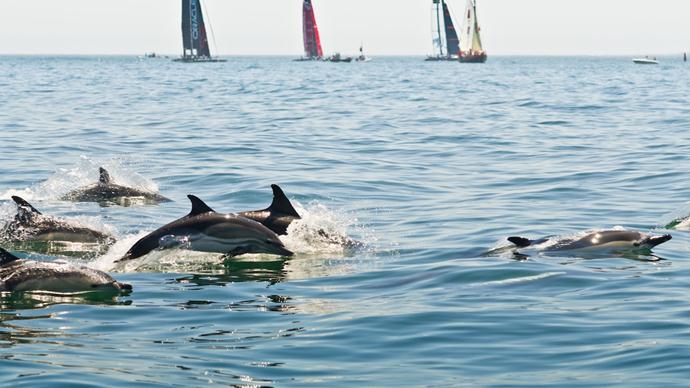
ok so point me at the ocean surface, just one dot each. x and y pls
(429, 165)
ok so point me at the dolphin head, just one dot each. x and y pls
(272, 244)
(649, 242)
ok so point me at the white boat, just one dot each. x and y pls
(645, 61)
(470, 41)
(362, 57)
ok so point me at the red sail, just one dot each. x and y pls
(312, 42)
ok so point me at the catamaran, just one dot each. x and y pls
(195, 46)
(470, 40)
(447, 28)
(312, 41)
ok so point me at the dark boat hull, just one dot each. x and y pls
(198, 60)
(340, 60)
(440, 59)
(481, 58)
(314, 59)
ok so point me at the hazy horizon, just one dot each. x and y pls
(529, 28)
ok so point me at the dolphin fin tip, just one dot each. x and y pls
(104, 176)
(24, 205)
(520, 242)
(281, 203)
(198, 206)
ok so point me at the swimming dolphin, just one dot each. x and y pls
(29, 275)
(276, 217)
(106, 191)
(602, 241)
(280, 214)
(207, 231)
(31, 225)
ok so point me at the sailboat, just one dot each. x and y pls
(447, 27)
(312, 41)
(470, 39)
(362, 57)
(195, 46)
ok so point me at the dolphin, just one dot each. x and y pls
(31, 225)
(596, 241)
(29, 275)
(280, 214)
(205, 230)
(106, 191)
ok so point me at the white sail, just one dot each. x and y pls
(467, 35)
(437, 39)
(469, 39)
(476, 40)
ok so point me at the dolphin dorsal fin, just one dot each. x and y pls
(520, 242)
(24, 206)
(198, 206)
(104, 177)
(281, 203)
(6, 257)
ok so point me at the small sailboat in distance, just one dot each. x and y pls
(195, 47)
(312, 41)
(362, 57)
(446, 27)
(470, 40)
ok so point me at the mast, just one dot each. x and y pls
(452, 41)
(312, 41)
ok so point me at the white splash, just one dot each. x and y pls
(83, 174)
(322, 230)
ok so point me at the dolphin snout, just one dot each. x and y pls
(282, 251)
(656, 240)
(124, 286)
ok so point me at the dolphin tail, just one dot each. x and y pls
(6, 257)
(281, 204)
(520, 242)
(104, 177)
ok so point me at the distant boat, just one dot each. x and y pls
(339, 58)
(645, 61)
(194, 39)
(447, 28)
(153, 55)
(312, 41)
(362, 57)
(470, 40)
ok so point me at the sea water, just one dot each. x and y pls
(430, 165)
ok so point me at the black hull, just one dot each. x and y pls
(308, 59)
(199, 60)
(440, 59)
(473, 58)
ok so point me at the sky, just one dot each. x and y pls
(385, 27)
